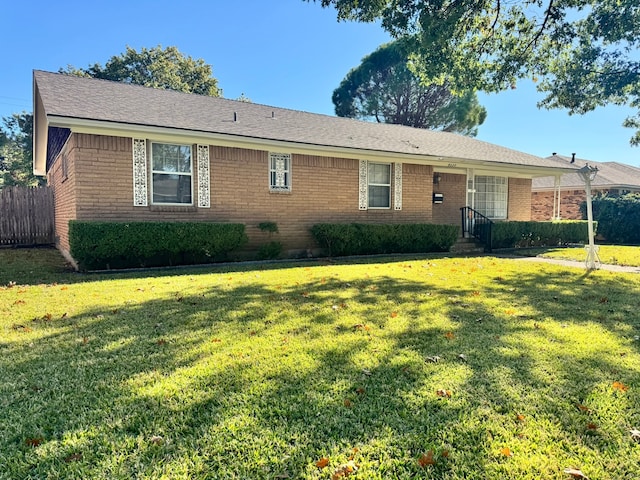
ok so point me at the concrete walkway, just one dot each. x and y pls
(571, 263)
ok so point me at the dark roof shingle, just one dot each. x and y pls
(105, 101)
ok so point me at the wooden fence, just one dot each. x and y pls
(26, 216)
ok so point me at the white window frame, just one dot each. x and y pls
(492, 196)
(372, 184)
(275, 172)
(162, 172)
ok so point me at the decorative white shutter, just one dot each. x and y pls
(397, 190)
(140, 197)
(204, 191)
(363, 197)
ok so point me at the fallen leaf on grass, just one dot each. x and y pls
(322, 463)
(361, 327)
(394, 314)
(347, 403)
(592, 426)
(20, 328)
(583, 408)
(575, 473)
(344, 470)
(162, 341)
(354, 450)
(506, 451)
(74, 457)
(426, 459)
(19, 302)
(360, 391)
(444, 393)
(156, 440)
(520, 417)
(620, 386)
(34, 441)
(449, 335)
(215, 340)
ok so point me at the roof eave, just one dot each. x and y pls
(101, 127)
(40, 132)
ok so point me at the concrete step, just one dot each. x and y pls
(467, 245)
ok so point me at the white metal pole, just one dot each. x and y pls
(588, 173)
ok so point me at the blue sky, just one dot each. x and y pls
(284, 53)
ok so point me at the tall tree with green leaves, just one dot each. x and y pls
(155, 67)
(582, 53)
(16, 151)
(382, 88)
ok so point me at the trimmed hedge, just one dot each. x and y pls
(618, 218)
(113, 245)
(364, 239)
(532, 234)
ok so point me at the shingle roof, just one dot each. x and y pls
(610, 175)
(105, 101)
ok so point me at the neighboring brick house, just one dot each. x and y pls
(121, 152)
(560, 197)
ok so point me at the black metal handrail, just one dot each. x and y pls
(477, 225)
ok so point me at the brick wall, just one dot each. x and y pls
(324, 189)
(519, 202)
(99, 186)
(454, 189)
(61, 177)
(570, 200)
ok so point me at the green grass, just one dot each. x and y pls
(609, 254)
(245, 371)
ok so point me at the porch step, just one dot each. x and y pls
(466, 246)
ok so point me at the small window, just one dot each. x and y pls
(379, 185)
(491, 196)
(279, 172)
(171, 169)
(64, 166)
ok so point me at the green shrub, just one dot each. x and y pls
(363, 239)
(530, 234)
(618, 218)
(112, 245)
(269, 251)
(271, 227)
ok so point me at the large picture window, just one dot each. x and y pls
(491, 196)
(171, 168)
(379, 176)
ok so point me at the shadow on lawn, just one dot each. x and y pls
(115, 378)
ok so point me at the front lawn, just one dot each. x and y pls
(609, 254)
(448, 368)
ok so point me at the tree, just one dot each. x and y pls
(16, 151)
(157, 68)
(582, 53)
(383, 88)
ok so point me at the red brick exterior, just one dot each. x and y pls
(519, 201)
(99, 186)
(570, 200)
(454, 189)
